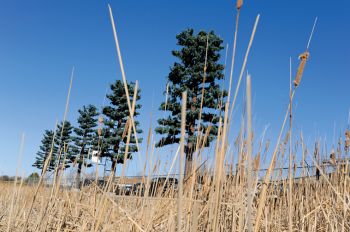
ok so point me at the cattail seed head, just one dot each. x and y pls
(99, 131)
(316, 151)
(332, 157)
(239, 4)
(287, 138)
(256, 163)
(347, 140)
(347, 134)
(303, 58)
(126, 128)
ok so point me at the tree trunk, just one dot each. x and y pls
(77, 178)
(114, 160)
(190, 146)
(80, 164)
(188, 165)
(189, 160)
(114, 164)
(113, 167)
(189, 152)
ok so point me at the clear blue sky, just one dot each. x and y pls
(40, 41)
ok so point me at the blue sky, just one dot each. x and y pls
(40, 41)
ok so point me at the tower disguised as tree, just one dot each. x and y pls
(44, 152)
(63, 145)
(116, 124)
(198, 63)
(85, 136)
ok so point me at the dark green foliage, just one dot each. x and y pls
(115, 118)
(33, 178)
(187, 75)
(63, 145)
(44, 151)
(6, 178)
(85, 135)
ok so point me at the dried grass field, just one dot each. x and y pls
(317, 205)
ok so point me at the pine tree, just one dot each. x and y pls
(63, 145)
(187, 75)
(116, 124)
(85, 136)
(44, 152)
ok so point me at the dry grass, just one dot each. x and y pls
(317, 206)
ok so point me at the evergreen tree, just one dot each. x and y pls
(33, 178)
(187, 75)
(114, 133)
(85, 135)
(44, 152)
(63, 145)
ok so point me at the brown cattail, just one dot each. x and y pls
(316, 150)
(126, 128)
(340, 142)
(287, 138)
(347, 133)
(257, 162)
(99, 131)
(303, 58)
(347, 140)
(239, 4)
(332, 157)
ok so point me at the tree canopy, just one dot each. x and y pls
(116, 123)
(44, 152)
(197, 71)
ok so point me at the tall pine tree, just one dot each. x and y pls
(85, 136)
(116, 121)
(187, 75)
(44, 152)
(63, 145)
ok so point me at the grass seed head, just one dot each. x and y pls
(347, 140)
